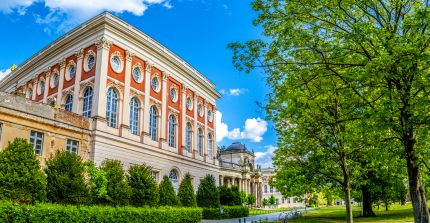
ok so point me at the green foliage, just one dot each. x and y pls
(167, 193)
(272, 200)
(236, 195)
(243, 197)
(226, 195)
(208, 194)
(143, 186)
(21, 179)
(65, 177)
(186, 192)
(98, 183)
(118, 190)
(12, 213)
(251, 199)
(228, 212)
(265, 202)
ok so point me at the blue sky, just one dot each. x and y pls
(196, 30)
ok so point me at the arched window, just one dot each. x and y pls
(188, 136)
(153, 116)
(172, 131)
(173, 175)
(112, 108)
(30, 93)
(200, 141)
(134, 116)
(210, 145)
(88, 102)
(69, 103)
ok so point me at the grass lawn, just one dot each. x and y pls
(396, 213)
(268, 211)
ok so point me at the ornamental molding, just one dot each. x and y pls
(129, 55)
(79, 53)
(121, 61)
(67, 92)
(184, 89)
(71, 63)
(137, 65)
(87, 55)
(62, 63)
(103, 43)
(189, 119)
(86, 84)
(165, 75)
(156, 103)
(149, 67)
(174, 113)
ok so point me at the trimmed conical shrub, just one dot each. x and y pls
(144, 189)
(208, 194)
(118, 190)
(167, 193)
(186, 192)
(21, 178)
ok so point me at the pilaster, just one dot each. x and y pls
(35, 83)
(205, 136)
(183, 115)
(47, 85)
(61, 81)
(126, 107)
(147, 79)
(165, 77)
(76, 89)
(99, 100)
(196, 136)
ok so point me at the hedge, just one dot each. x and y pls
(57, 213)
(229, 212)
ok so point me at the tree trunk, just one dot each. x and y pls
(367, 202)
(347, 191)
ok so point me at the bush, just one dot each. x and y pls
(167, 193)
(12, 213)
(226, 195)
(65, 177)
(208, 194)
(98, 183)
(186, 192)
(236, 195)
(229, 212)
(243, 198)
(21, 178)
(118, 190)
(144, 189)
(251, 199)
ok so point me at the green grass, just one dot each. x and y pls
(268, 211)
(396, 213)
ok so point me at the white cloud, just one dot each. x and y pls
(233, 91)
(265, 158)
(3, 73)
(65, 14)
(253, 130)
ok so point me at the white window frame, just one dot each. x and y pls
(36, 139)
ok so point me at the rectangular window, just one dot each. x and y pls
(1, 128)
(72, 146)
(155, 175)
(36, 139)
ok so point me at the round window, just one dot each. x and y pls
(90, 62)
(137, 75)
(173, 95)
(54, 80)
(71, 72)
(210, 117)
(41, 87)
(189, 103)
(200, 109)
(115, 64)
(155, 84)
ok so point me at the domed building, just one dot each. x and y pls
(237, 168)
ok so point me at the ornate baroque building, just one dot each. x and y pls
(144, 104)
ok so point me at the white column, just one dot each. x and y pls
(47, 80)
(205, 138)
(35, 81)
(61, 81)
(165, 77)
(148, 68)
(183, 115)
(126, 106)
(76, 89)
(99, 100)
(214, 145)
(196, 132)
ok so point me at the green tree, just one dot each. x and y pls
(186, 192)
(144, 189)
(251, 199)
(265, 202)
(226, 195)
(236, 195)
(208, 194)
(377, 49)
(21, 179)
(65, 177)
(118, 190)
(98, 183)
(243, 198)
(167, 193)
(272, 200)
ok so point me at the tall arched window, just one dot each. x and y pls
(172, 131)
(69, 103)
(88, 102)
(188, 136)
(153, 116)
(210, 145)
(134, 116)
(112, 108)
(200, 141)
(173, 175)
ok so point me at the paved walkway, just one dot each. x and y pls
(256, 218)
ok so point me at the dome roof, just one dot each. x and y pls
(237, 146)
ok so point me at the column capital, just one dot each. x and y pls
(129, 55)
(148, 66)
(165, 75)
(184, 88)
(62, 63)
(79, 53)
(103, 43)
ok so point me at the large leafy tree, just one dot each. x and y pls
(118, 190)
(21, 179)
(376, 48)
